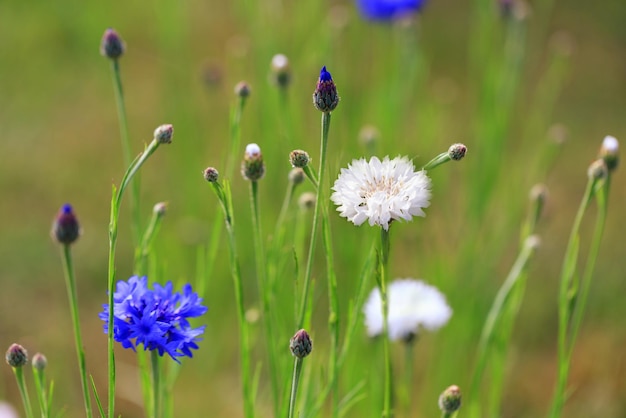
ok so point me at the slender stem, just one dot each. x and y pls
(143, 250)
(382, 284)
(70, 283)
(442, 158)
(126, 149)
(21, 384)
(408, 375)
(156, 383)
(316, 214)
(223, 195)
(264, 291)
(116, 202)
(449, 414)
(567, 296)
(42, 397)
(297, 367)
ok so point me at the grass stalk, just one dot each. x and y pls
(21, 384)
(382, 286)
(297, 367)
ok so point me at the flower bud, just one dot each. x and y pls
(598, 170)
(307, 201)
(301, 344)
(369, 135)
(457, 151)
(112, 45)
(281, 73)
(299, 158)
(252, 167)
(211, 175)
(609, 152)
(164, 133)
(160, 209)
(16, 356)
(242, 89)
(65, 229)
(39, 362)
(296, 176)
(450, 400)
(325, 96)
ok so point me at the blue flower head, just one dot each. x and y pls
(386, 10)
(325, 96)
(155, 318)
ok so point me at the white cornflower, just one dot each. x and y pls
(381, 191)
(412, 304)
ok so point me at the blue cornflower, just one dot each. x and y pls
(384, 10)
(155, 318)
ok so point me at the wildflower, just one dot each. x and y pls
(386, 10)
(252, 167)
(325, 96)
(156, 318)
(307, 201)
(112, 45)
(412, 304)
(296, 176)
(301, 344)
(457, 151)
(65, 228)
(450, 400)
(381, 191)
(160, 209)
(16, 356)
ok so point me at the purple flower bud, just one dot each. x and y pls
(252, 167)
(65, 228)
(301, 344)
(325, 96)
(450, 400)
(112, 45)
(16, 356)
(39, 362)
(457, 151)
(211, 175)
(164, 133)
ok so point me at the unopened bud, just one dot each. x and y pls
(450, 400)
(164, 133)
(16, 356)
(609, 152)
(281, 73)
(39, 362)
(296, 176)
(299, 158)
(252, 167)
(211, 175)
(598, 170)
(242, 89)
(325, 96)
(307, 201)
(457, 151)
(301, 344)
(112, 45)
(160, 209)
(65, 229)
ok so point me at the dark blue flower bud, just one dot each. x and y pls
(112, 45)
(301, 344)
(65, 228)
(325, 96)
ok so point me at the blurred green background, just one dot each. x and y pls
(61, 144)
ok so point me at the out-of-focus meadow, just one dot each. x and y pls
(419, 82)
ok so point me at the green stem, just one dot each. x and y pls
(442, 158)
(382, 285)
(297, 367)
(126, 149)
(408, 375)
(567, 298)
(316, 214)
(223, 195)
(70, 283)
(21, 384)
(143, 250)
(42, 397)
(264, 291)
(116, 202)
(156, 383)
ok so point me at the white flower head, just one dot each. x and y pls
(412, 305)
(381, 191)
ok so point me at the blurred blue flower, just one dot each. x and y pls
(156, 318)
(383, 10)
